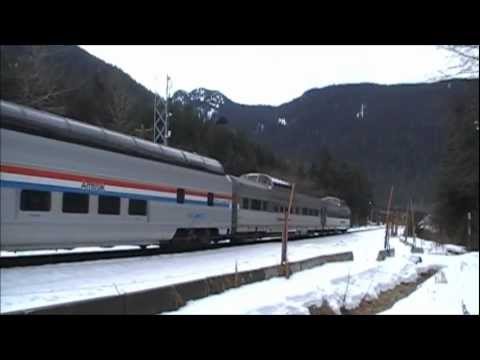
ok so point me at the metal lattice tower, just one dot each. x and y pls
(160, 120)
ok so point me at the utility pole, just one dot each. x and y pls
(160, 121)
(284, 259)
(370, 219)
(407, 220)
(387, 221)
(413, 224)
(387, 250)
(469, 228)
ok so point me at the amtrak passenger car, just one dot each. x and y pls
(67, 184)
(59, 192)
(260, 202)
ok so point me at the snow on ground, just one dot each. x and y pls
(28, 287)
(68, 251)
(453, 290)
(434, 248)
(279, 296)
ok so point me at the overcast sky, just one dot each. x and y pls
(272, 74)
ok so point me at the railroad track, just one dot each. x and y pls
(47, 259)
(35, 260)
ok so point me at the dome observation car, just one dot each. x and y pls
(267, 180)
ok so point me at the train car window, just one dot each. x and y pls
(74, 203)
(256, 204)
(180, 196)
(264, 205)
(304, 211)
(137, 207)
(315, 212)
(245, 203)
(297, 210)
(210, 199)
(32, 200)
(276, 209)
(109, 205)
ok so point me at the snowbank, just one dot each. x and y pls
(454, 290)
(28, 287)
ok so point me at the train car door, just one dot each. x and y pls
(234, 214)
(323, 217)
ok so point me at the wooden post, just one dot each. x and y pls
(394, 224)
(413, 224)
(469, 230)
(387, 220)
(397, 223)
(406, 224)
(284, 260)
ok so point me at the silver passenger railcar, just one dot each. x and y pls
(259, 203)
(66, 184)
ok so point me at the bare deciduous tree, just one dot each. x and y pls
(466, 60)
(120, 104)
(143, 132)
(38, 79)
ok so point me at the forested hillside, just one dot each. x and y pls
(67, 80)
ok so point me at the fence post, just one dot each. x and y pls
(387, 235)
(284, 260)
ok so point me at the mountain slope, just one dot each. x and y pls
(69, 81)
(396, 132)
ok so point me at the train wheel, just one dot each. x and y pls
(203, 237)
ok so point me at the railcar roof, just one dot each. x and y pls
(251, 188)
(25, 119)
(266, 179)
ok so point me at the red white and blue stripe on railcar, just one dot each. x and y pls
(14, 176)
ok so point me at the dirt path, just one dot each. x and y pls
(384, 302)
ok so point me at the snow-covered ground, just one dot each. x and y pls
(69, 251)
(453, 290)
(28, 287)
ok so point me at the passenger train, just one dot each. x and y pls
(68, 184)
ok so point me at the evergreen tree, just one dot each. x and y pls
(457, 193)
